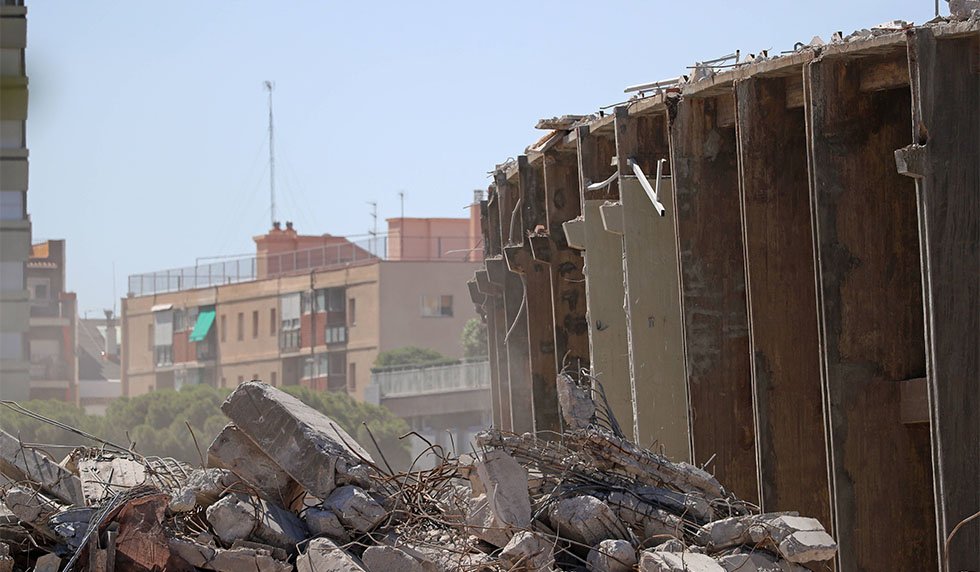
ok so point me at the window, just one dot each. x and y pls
(318, 301)
(335, 300)
(315, 367)
(12, 345)
(272, 321)
(11, 130)
(164, 355)
(335, 335)
(352, 377)
(241, 326)
(255, 324)
(351, 312)
(224, 328)
(272, 378)
(11, 276)
(437, 306)
(178, 322)
(289, 321)
(12, 205)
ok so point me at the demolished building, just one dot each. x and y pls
(770, 269)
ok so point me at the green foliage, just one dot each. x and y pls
(155, 423)
(474, 339)
(411, 355)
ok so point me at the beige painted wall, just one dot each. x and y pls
(402, 286)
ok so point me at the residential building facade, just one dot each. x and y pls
(15, 225)
(306, 310)
(99, 375)
(53, 325)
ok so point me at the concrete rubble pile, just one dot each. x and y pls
(285, 488)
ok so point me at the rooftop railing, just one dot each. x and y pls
(246, 268)
(466, 375)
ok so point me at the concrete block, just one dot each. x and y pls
(611, 556)
(575, 402)
(234, 451)
(586, 520)
(505, 483)
(322, 555)
(757, 561)
(48, 563)
(322, 522)
(796, 538)
(651, 561)
(528, 552)
(302, 441)
(26, 464)
(355, 508)
(103, 477)
(389, 559)
(221, 560)
(203, 488)
(240, 517)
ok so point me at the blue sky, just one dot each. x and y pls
(147, 127)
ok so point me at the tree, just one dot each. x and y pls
(411, 355)
(475, 339)
(156, 424)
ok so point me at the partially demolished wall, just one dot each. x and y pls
(785, 291)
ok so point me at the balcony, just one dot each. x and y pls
(52, 310)
(49, 369)
(409, 382)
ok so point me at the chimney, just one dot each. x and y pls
(111, 348)
(289, 225)
(276, 225)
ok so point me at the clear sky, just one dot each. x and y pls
(147, 126)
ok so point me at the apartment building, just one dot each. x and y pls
(305, 310)
(15, 225)
(53, 322)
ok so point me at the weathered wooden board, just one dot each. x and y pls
(782, 306)
(946, 127)
(654, 328)
(709, 239)
(870, 319)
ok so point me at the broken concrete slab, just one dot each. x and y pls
(20, 463)
(501, 502)
(389, 559)
(797, 539)
(226, 560)
(31, 507)
(355, 508)
(586, 520)
(528, 552)
(481, 522)
(48, 563)
(322, 555)
(611, 556)
(575, 402)
(656, 524)
(234, 451)
(103, 477)
(203, 488)
(757, 561)
(301, 440)
(142, 544)
(240, 517)
(725, 533)
(322, 522)
(652, 561)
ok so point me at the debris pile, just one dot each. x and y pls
(285, 488)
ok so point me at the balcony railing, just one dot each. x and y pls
(51, 309)
(248, 268)
(403, 382)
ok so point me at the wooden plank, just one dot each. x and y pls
(570, 319)
(870, 320)
(709, 244)
(946, 120)
(654, 328)
(781, 294)
(603, 270)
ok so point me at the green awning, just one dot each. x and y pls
(204, 320)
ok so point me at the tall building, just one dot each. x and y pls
(305, 310)
(15, 226)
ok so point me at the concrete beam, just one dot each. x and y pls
(869, 303)
(709, 238)
(656, 350)
(782, 300)
(946, 120)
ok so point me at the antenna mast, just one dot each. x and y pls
(272, 157)
(374, 231)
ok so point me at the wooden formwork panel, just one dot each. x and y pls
(654, 326)
(945, 162)
(709, 244)
(870, 318)
(781, 294)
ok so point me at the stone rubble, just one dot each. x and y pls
(286, 489)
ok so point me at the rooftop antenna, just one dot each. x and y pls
(270, 86)
(374, 229)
